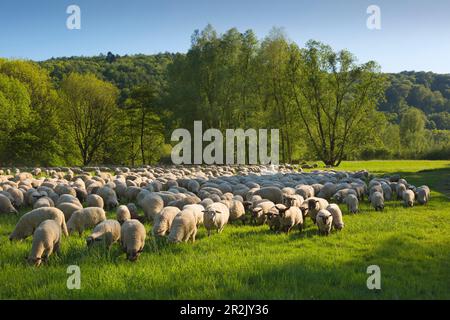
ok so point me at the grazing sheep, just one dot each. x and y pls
(94, 200)
(387, 191)
(163, 220)
(408, 198)
(6, 205)
(43, 202)
(85, 218)
(259, 212)
(193, 186)
(198, 210)
(28, 223)
(237, 210)
(274, 219)
(377, 201)
(184, 227)
(123, 214)
(216, 217)
(69, 199)
(107, 231)
(315, 204)
(423, 194)
(305, 191)
(133, 211)
(294, 200)
(352, 203)
(109, 197)
(46, 239)
(18, 197)
(338, 222)
(324, 221)
(273, 194)
(340, 195)
(289, 217)
(152, 205)
(68, 208)
(132, 238)
(400, 189)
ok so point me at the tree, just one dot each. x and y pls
(412, 132)
(89, 106)
(336, 99)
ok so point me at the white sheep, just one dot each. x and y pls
(377, 201)
(423, 194)
(152, 205)
(68, 208)
(85, 218)
(94, 200)
(163, 221)
(6, 205)
(237, 210)
(352, 203)
(43, 202)
(216, 217)
(184, 227)
(198, 210)
(259, 212)
(408, 198)
(290, 217)
(315, 204)
(324, 221)
(132, 238)
(107, 231)
(46, 239)
(338, 222)
(123, 214)
(31, 220)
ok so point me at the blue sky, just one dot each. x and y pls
(414, 35)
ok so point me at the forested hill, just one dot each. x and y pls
(426, 91)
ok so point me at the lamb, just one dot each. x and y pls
(28, 223)
(6, 205)
(423, 194)
(259, 213)
(46, 239)
(408, 198)
(132, 238)
(123, 214)
(94, 200)
(85, 218)
(216, 217)
(338, 222)
(184, 227)
(107, 231)
(377, 201)
(289, 217)
(315, 204)
(68, 208)
(324, 221)
(163, 220)
(352, 203)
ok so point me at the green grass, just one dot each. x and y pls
(411, 246)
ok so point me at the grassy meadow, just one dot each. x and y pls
(411, 247)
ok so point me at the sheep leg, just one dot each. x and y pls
(57, 249)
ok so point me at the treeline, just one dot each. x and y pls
(122, 109)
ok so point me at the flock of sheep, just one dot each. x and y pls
(179, 199)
